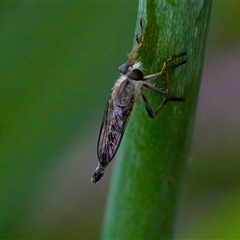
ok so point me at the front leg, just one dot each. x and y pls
(165, 67)
(135, 53)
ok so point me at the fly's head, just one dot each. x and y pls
(132, 70)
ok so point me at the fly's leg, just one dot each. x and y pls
(167, 99)
(163, 103)
(139, 39)
(167, 70)
(147, 106)
(165, 67)
(154, 89)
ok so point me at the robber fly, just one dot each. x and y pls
(121, 100)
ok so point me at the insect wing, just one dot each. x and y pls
(114, 123)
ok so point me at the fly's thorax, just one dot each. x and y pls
(125, 91)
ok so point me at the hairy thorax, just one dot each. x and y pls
(126, 91)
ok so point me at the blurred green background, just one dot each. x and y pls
(58, 63)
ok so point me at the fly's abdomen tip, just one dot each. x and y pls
(98, 174)
(96, 177)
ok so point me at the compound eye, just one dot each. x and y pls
(136, 74)
(124, 68)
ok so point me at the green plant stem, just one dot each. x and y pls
(151, 163)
